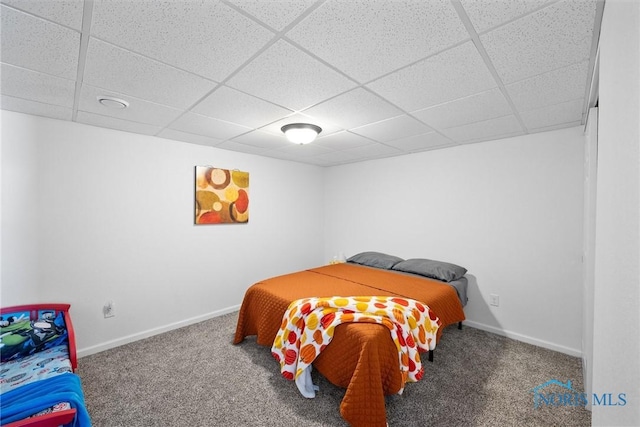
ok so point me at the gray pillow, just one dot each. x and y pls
(434, 269)
(375, 259)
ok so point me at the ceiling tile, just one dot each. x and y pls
(494, 137)
(282, 155)
(189, 137)
(567, 112)
(391, 129)
(205, 37)
(289, 77)
(207, 126)
(276, 127)
(555, 127)
(550, 88)
(234, 106)
(276, 14)
(262, 140)
(474, 108)
(65, 12)
(114, 123)
(343, 140)
(354, 108)
(362, 37)
(298, 151)
(334, 157)
(317, 161)
(485, 129)
(35, 86)
(444, 77)
(554, 37)
(491, 13)
(373, 151)
(39, 45)
(242, 148)
(421, 142)
(35, 108)
(138, 110)
(119, 70)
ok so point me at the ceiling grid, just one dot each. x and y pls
(380, 78)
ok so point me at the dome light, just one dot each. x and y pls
(301, 133)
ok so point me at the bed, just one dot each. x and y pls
(361, 357)
(38, 386)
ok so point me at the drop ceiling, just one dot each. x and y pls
(381, 78)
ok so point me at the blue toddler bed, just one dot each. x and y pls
(38, 386)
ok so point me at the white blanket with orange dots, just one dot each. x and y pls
(308, 326)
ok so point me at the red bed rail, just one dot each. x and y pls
(54, 419)
(58, 418)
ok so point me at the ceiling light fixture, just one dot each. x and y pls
(111, 102)
(301, 133)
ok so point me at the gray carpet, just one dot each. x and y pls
(194, 376)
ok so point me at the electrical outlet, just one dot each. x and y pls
(109, 309)
(494, 300)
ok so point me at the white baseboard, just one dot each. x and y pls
(155, 331)
(524, 338)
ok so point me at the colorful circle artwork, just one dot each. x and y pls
(221, 196)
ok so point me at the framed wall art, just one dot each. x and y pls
(221, 196)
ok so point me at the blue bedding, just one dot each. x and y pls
(39, 366)
(20, 403)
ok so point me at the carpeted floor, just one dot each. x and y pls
(194, 376)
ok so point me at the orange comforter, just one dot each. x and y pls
(362, 357)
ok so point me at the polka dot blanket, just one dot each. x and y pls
(308, 326)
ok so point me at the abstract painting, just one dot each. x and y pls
(221, 196)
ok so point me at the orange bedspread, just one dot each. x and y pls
(362, 357)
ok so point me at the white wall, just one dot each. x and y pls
(616, 337)
(101, 214)
(589, 246)
(510, 211)
(110, 217)
(19, 239)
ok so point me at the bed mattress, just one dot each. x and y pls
(39, 366)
